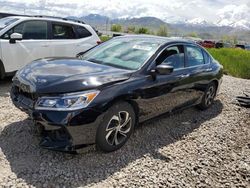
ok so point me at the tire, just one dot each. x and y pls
(116, 128)
(208, 97)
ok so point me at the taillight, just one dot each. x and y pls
(98, 42)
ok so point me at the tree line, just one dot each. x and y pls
(163, 30)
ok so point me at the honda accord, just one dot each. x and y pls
(101, 96)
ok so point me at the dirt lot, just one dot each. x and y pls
(189, 149)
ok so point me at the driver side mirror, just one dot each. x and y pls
(164, 69)
(14, 37)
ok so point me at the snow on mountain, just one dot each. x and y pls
(197, 21)
(237, 16)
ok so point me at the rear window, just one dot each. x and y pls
(82, 32)
(62, 31)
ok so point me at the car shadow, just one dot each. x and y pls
(19, 143)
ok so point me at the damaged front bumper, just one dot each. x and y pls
(68, 131)
(68, 138)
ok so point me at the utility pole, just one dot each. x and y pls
(42, 4)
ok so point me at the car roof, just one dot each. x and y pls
(47, 18)
(162, 40)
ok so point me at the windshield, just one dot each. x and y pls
(4, 22)
(123, 52)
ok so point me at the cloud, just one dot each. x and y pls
(168, 10)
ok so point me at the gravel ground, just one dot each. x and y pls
(189, 149)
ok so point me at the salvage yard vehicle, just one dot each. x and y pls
(100, 98)
(27, 38)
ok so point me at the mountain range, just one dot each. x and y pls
(204, 29)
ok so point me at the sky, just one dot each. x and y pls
(167, 10)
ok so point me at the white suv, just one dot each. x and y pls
(24, 39)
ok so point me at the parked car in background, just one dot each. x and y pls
(207, 44)
(243, 46)
(27, 38)
(100, 98)
(221, 44)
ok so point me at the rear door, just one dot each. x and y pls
(198, 66)
(34, 44)
(67, 40)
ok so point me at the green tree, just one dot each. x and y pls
(131, 29)
(142, 30)
(116, 28)
(230, 39)
(192, 34)
(163, 31)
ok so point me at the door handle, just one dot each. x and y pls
(45, 45)
(184, 76)
(208, 70)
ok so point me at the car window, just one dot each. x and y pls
(194, 56)
(62, 31)
(29, 30)
(82, 32)
(173, 56)
(207, 58)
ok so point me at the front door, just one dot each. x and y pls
(34, 45)
(167, 92)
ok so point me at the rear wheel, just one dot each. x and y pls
(208, 97)
(116, 128)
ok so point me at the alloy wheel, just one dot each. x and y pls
(118, 128)
(210, 95)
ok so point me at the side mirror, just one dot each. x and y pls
(14, 37)
(164, 69)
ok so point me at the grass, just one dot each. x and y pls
(104, 38)
(236, 62)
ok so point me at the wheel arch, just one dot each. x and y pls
(126, 98)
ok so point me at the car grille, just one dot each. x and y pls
(21, 99)
(19, 91)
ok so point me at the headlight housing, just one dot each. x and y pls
(67, 102)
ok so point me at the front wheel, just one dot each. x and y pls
(116, 127)
(208, 97)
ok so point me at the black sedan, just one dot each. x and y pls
(101, 97)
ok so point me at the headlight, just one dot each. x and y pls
(73, 101)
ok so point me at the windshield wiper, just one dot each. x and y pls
(95, 61)
(117, 66)
(108, 64)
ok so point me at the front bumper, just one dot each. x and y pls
(68, 131)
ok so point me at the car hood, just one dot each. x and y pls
(62, 75)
